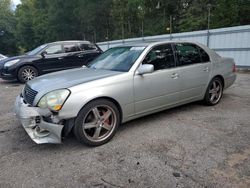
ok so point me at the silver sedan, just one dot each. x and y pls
(122, 84)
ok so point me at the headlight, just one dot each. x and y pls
(11, 62)
(54, 100)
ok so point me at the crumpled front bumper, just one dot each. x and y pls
(32, 120)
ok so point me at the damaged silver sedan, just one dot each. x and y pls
(122, 84)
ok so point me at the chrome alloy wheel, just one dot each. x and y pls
(215, 91)
(99, 123)
(28, 74)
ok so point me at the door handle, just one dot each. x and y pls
(206, 69)
(175, 75)
(60, 58)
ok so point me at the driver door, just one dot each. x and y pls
(159, 89)
(52, 59)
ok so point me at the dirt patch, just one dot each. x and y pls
(228, 173)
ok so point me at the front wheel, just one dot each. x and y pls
(214, 92)
(27, 73)
(97, 122)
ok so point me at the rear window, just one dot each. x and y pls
(88, 47)
(70, 48)
(187, 54)
(204, 56)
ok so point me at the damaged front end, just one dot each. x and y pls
(40, 124)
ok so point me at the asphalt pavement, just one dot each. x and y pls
(188, 146)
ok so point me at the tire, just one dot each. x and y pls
(27, 73)
(97, 122)
(214, 92)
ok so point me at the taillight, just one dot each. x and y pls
(234, 68)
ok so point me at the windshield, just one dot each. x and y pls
(117, 59)
(36, 50)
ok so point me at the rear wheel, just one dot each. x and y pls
(214, 92)
(27, 73)
(97, 122)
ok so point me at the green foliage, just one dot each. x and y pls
(25, 28)
(35, 22)
(7, 28)
(244, 12)
(230, 13)
(224, 13)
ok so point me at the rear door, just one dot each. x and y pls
(89, 52)
(161, 88)
(72, 58)
(194, 68)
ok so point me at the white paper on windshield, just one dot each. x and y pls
(137, 48)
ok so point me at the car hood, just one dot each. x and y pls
(18, 57)
(21, 57)
(68, 78)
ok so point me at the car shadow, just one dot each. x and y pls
(159, 115)
(71, 143)
(10, 83)
(194, 106)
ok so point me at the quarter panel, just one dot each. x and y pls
(224, 67)
(194, 80)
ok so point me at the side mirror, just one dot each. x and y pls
(145, 68)
(43, 54)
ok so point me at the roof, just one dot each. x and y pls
(147, 43)
(70, 41)
(143, 44)
(150, 44)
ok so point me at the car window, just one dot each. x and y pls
(88, 47)
(162, 57)
(55, 49)
(187, 54)
(70, 48)
(204, 56)
(36, 50)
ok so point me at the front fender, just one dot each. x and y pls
(121, 92)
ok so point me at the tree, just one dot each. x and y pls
(162, 10)
(7, 28)
(62, 20)
(94, 19)
(25, 28)
(221, 15)
(194, 15)
(244, 9)
(228, 13)
(40, 22)
(35, 22)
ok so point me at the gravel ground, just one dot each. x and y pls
(189, 146)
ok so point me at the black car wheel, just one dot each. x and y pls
(97, 122)
(27, 73)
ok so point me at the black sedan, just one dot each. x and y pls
(48, 58)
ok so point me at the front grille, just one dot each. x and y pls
(29, 94)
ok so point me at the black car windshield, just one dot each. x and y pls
(117, 59)
(36, 50)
